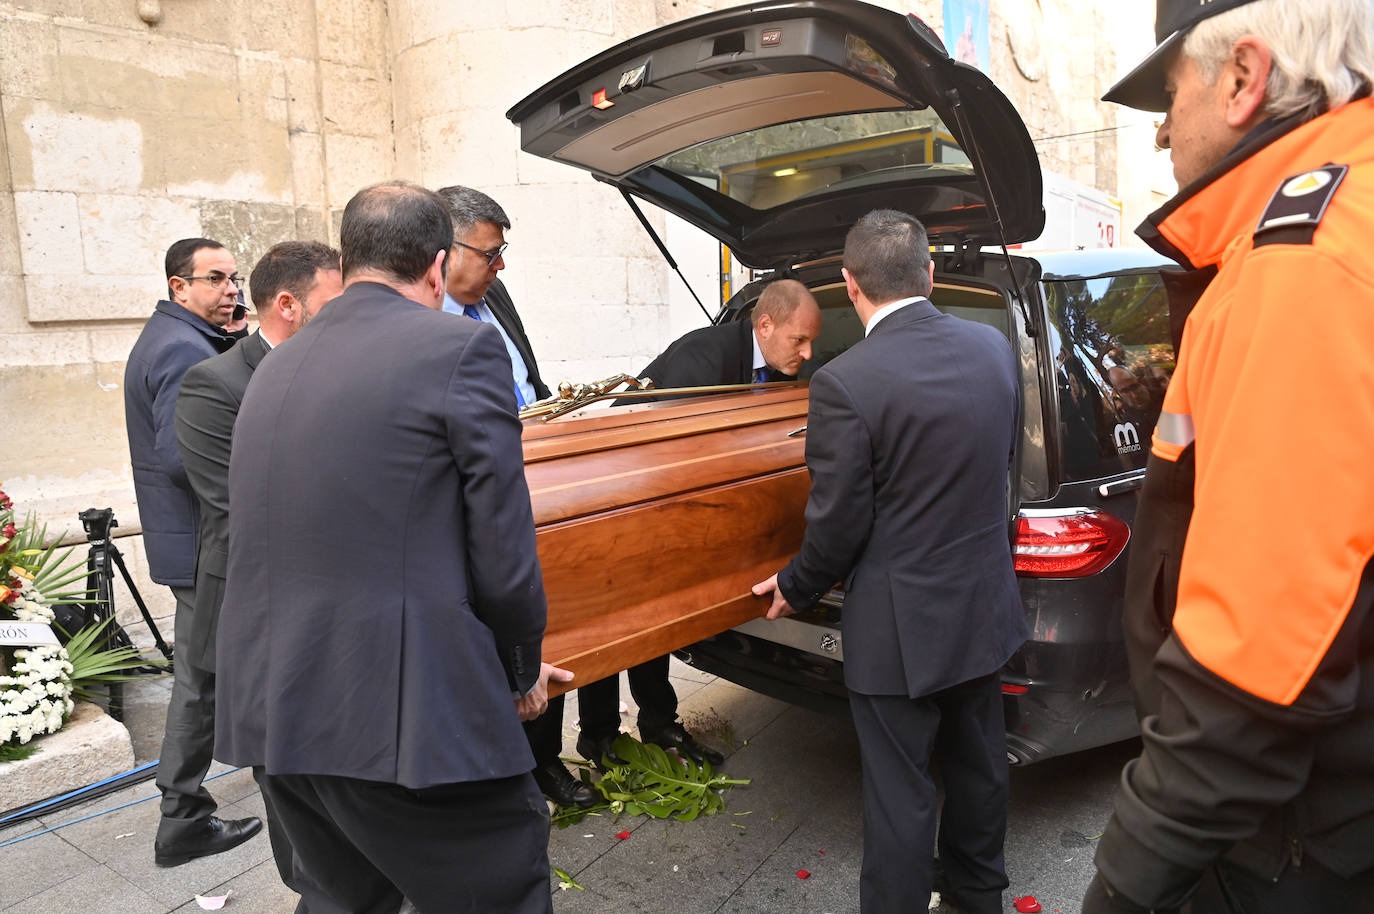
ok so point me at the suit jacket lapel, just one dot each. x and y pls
(253, 349)
(745, 362)
(503, 309)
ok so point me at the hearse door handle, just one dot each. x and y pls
(1121, 486)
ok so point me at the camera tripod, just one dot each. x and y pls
(101, 560)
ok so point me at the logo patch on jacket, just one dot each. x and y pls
(1297, 207)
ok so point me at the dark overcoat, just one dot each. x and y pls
(384, 602)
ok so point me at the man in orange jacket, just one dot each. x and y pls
(1248, 615)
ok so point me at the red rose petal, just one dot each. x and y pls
(622, 835)
(820, 852)
(803, 874)
(1027, 905)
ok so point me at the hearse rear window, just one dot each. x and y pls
(774, 165)
(1113, 360)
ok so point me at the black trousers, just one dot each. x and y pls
(188, 740)
(598, 703)
(361, 846)
(545, 733)
(961, 730)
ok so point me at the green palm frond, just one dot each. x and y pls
(650, 782)
(94, 665)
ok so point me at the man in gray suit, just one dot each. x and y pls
(908, 440)
(379, 640)
(290, 284)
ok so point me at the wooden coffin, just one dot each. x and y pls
(654, 521)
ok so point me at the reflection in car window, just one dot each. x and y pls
(774, 165)
(1113, 358)
(840, 326)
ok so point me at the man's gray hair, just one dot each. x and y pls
(467, 207)
(1322, 50)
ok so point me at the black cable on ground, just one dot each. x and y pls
(81, 795)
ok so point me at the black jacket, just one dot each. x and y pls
(720, 354)
(908, 440)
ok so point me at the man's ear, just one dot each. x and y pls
(764, 325)
(176, 286)
(436, 276)
(288, 306)
(851, 287)
(1246, 77)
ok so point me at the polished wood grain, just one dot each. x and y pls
(653, 523)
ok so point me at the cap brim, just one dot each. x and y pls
(1143, 87)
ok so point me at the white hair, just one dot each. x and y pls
(1322, 50)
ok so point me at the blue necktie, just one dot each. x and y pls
(760, 374)
(471, 311)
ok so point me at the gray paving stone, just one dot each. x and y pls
(702, 865)
(122, 839)
(96, 891)
(259, 890)
(174, 885)
(37, 863)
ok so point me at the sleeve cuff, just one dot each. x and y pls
(795, 598)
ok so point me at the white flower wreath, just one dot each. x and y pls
(36, 697)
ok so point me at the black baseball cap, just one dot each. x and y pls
(1143, 87)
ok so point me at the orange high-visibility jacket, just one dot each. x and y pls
(1248, 614)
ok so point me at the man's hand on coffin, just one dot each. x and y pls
(780, 607)
(536, 700)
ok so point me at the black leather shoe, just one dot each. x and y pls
(595, 748)
(215, 837)
(558, 784)
(675, 736)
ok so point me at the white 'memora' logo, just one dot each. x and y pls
(1127, 438)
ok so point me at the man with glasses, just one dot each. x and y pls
(1249, 609)
(479, 243)
(472, 289)
(203, 287)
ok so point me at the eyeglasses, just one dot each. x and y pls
(216, 279)
(492, 256)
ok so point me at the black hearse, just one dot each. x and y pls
(773, 127)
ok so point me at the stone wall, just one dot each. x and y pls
(253, 122)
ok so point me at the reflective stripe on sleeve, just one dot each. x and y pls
(1175, 429)
(1173, 433)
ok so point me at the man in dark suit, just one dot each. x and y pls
(473, 290)
(290, 284)
(770, 347)
(379, 640)
(908, 441)
(202, 288)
